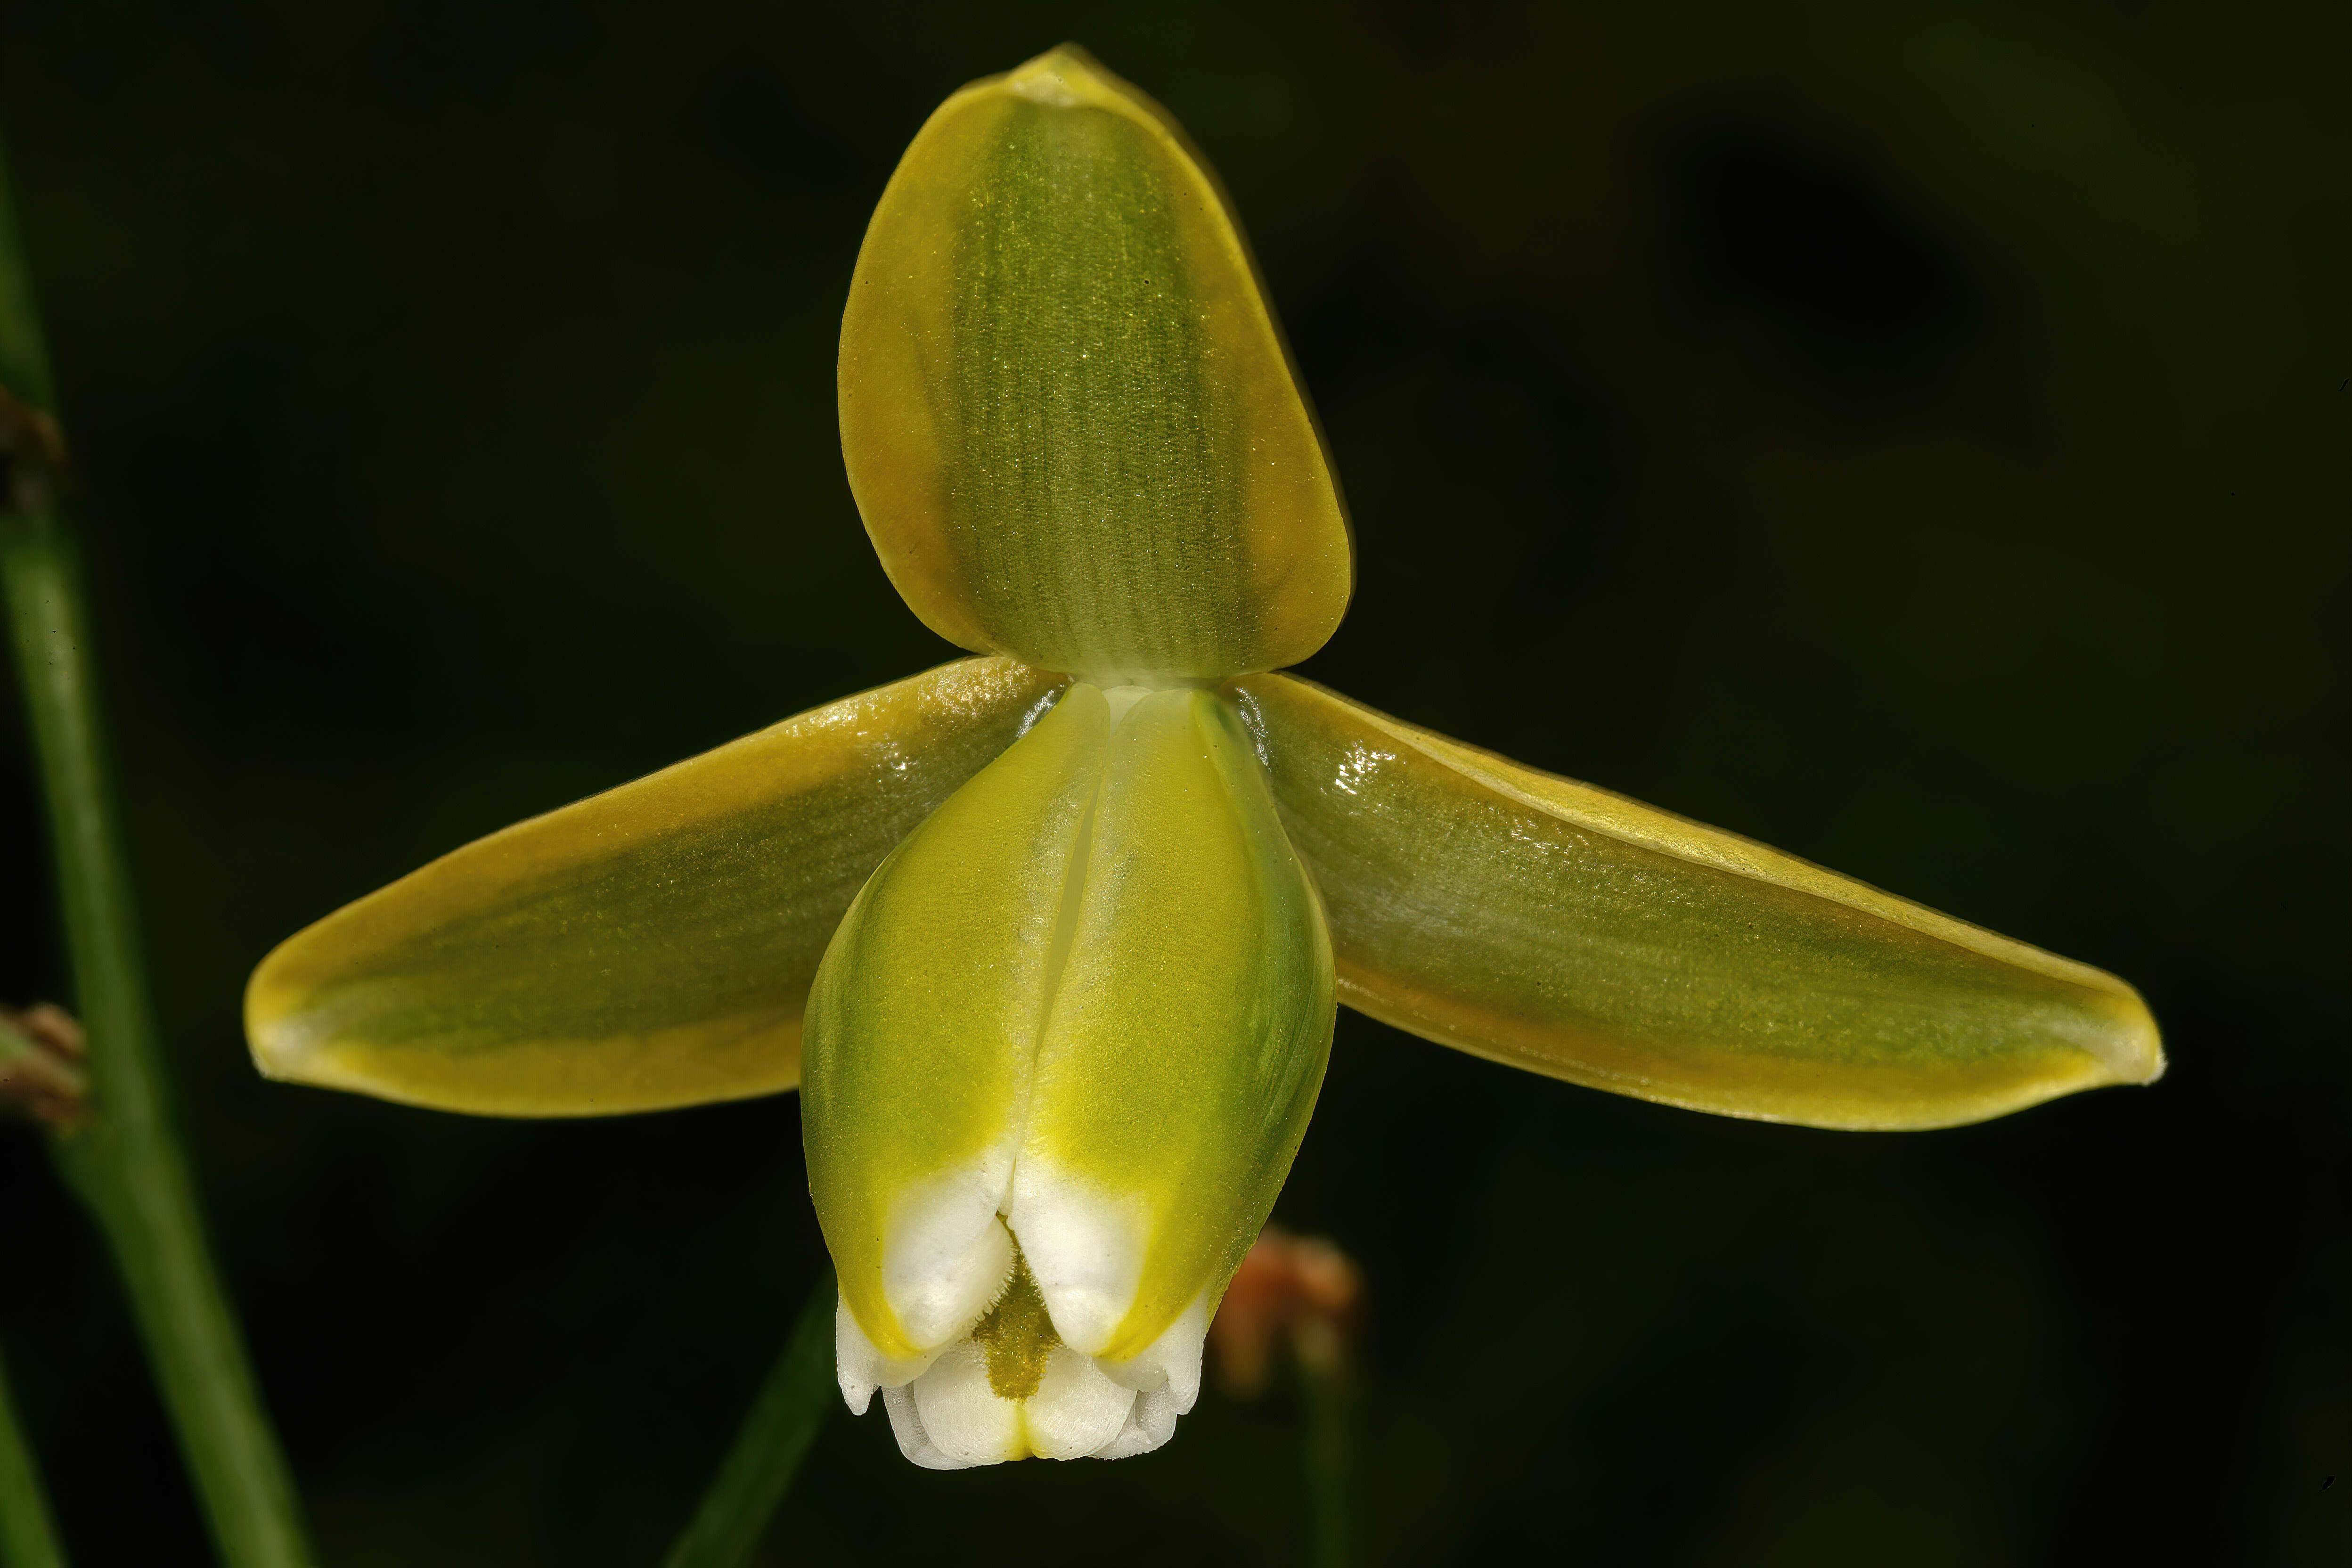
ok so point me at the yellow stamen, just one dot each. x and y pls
(1016, 1336)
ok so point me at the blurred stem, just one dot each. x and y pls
(775, 1436)
(1329, 1401)
(125, 1161)
(28, 1536)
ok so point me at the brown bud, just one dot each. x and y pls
(41, 1065)
(1303, 1288)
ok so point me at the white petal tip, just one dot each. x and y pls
(1170, 1363)
(1150, 1424)
(951, 1418)
(955, 1417)
(948, 1257)
(1085, 1251)
(1077, 1411)
(860, 1367)
(906, 1425)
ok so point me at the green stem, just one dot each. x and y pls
(775, 1436)
(28, 1537)
(125, 1162)
(1330, 1422)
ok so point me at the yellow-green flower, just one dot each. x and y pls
(1051, 939)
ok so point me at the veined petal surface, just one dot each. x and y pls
(1187, 1037)
(649, 947)
(1068, 416)
(1084, 1007)
(922, 1036)
(1558, 926)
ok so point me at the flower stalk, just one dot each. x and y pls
(1329, 1396)
(1304, 1292)
(124, 1161)
(28, 1535)
(776, 1436)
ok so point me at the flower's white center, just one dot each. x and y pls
(1011, 1389)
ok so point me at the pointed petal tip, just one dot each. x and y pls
(288, 1047)
(269, 1059)
(857, 1366)
(2136, 1055)
(1066, 76)
(268, 1003)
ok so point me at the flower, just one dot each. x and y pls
(1052, 939)
(1055, 1063)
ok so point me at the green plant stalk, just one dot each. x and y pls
(775, 1436)
(28, 1536)
(1330, 1408)
(125, 1161)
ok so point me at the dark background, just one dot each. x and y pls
(1914, 435)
